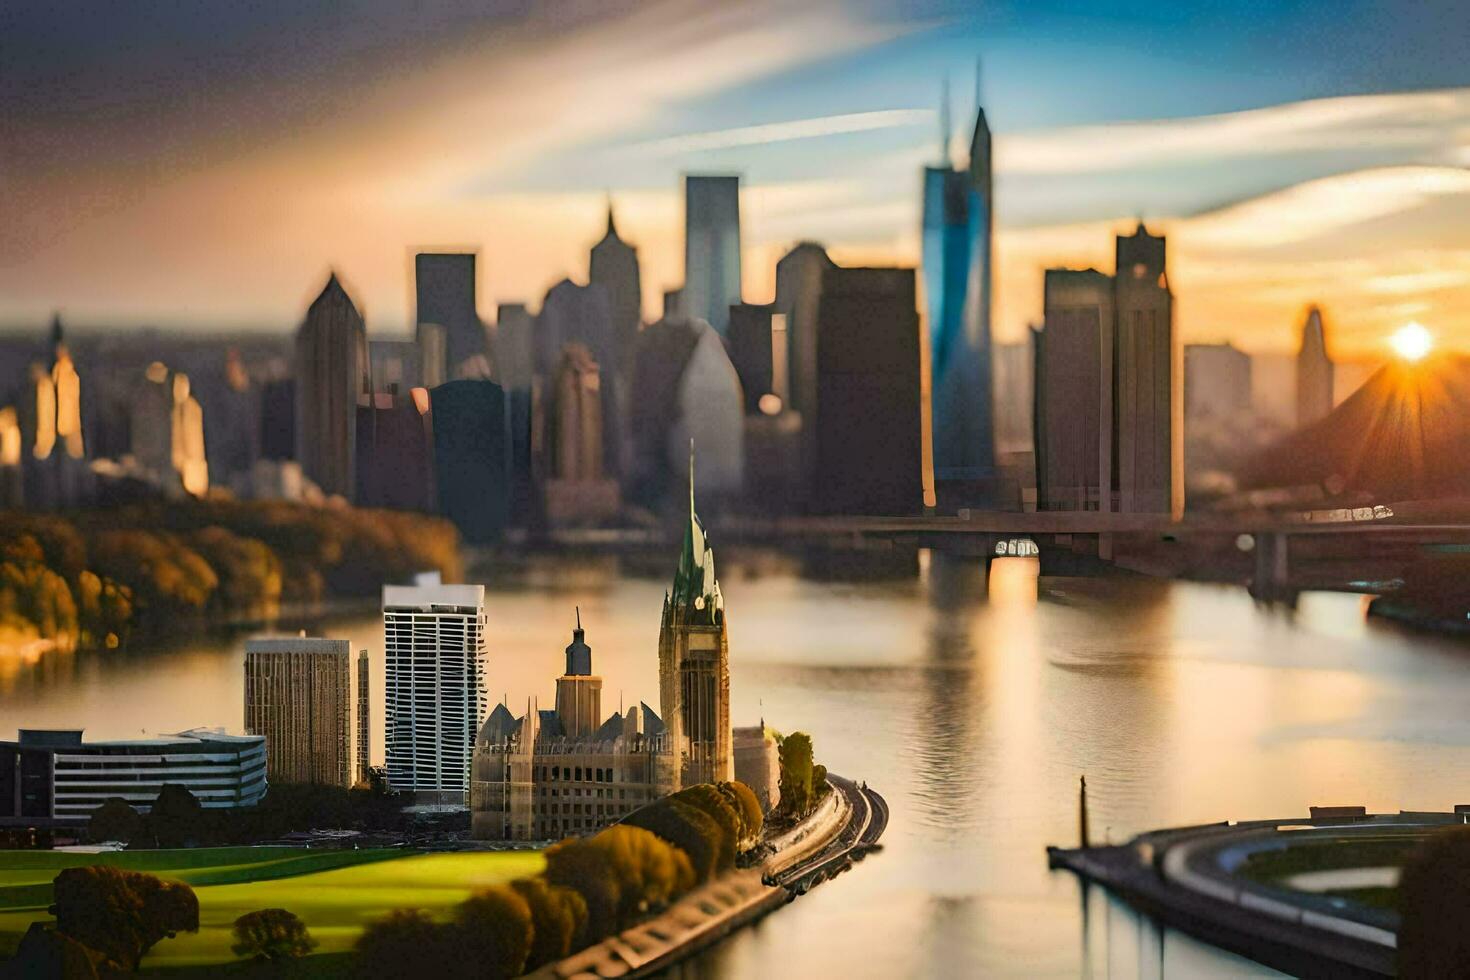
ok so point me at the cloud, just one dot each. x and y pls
(796, 129)
(1437, 121)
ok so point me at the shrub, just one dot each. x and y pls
(271, 935)
(495, 929)
(796, 774)
(707, 798)
(744, 800)
(574, 863)
(121, 914)
(176, 818)
(407, 945)
(689, 829)
(114, 820)
(558, 919)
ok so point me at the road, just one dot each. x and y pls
(868, 821)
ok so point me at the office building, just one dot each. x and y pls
(364, 721)
(577, 490)
(444, 285)
(573, 314)
(278, 419)
(434, 696)
(472, 457)
(395, 456)
(711, 248)
(515, 369)
(298, 696)
(613, 265)
(1217, 383)
(958, 229)
(750, 340)
(50, 778)
(868, 422)
(332, 370)
(1314, 371)
(1109, 412)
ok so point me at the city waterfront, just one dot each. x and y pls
(972, 704)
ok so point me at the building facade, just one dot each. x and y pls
(1147, 407)
(711, 248)
(53, 777)
(1314, 371)
(577, 490)
(1217, 382)
(472, 456)
(444, 284)
(364, 721)
(548, 774)
(332, 370)
(434, 697)
(613, 265)
(298, 696)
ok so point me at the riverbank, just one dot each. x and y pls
(1405, 612)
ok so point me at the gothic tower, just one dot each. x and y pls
(694, 661)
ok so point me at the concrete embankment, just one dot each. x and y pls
(710, 912)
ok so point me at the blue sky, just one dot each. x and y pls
(203, 165)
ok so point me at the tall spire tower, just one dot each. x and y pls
(694, 660)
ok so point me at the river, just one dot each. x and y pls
(973, 704)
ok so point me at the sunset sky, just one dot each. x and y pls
(203, 165)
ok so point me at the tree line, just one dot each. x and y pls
(87, 579)
(592, 888)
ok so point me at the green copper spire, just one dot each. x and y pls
(696, 591)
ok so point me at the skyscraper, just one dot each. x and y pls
(395, 458)
(711, 248)
(1108, 409)
(1073, 392)
(434, 696)
(1314, 371)
(472, 456)
(694, 661)
(573, 314)
(958, 227)
(297, 693)
(332, 370)
(515, 359)
(799, 296)
(364, 726)
(613, 265)
(1146, 403)
(445, 287)
(869, 416)
(576, 487)
(749, 340)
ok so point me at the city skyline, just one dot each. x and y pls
(1286, 170)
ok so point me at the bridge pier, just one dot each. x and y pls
(1272, 579)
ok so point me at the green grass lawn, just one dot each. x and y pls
(334, 892)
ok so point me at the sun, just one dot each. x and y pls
(1411, 341)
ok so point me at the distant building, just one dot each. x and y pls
(694, 661)
(278, 419)
(687, 389)
(434, 664)
(364, 726)
(395, 366)
(958, 228)
(577, 490)
(573, 314)
(799, 276)
(53, 777)
(395, 455)
(1013, 398)
(515, 367)
(1314, 372)
(613, 265)
(868, 423)
(1106, 387)
(711, 248)
(750, 341)
(444, 284)
(297, 695)
(472, 456)
(50, 420)
(1217, 382)
(12, 481)
(167, 427)
(332, 370)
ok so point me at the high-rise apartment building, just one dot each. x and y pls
(711, 248)
(1314, 371)
(332, 370)
(364, 720)
(434, 697)
(298, 695)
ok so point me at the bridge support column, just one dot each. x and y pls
(1272, 579)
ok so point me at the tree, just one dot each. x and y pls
(176, 817)
(495, 927)
(407, 945)
(708, 799)
(121, 914)
(271, 935)
(1434, 904)
(574, 863)
(744, 800)
(558, 917)
(689, 829)
(796, 774)
(114, 820)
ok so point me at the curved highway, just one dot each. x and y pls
(868, 820)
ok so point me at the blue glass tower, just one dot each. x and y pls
(958, 225)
